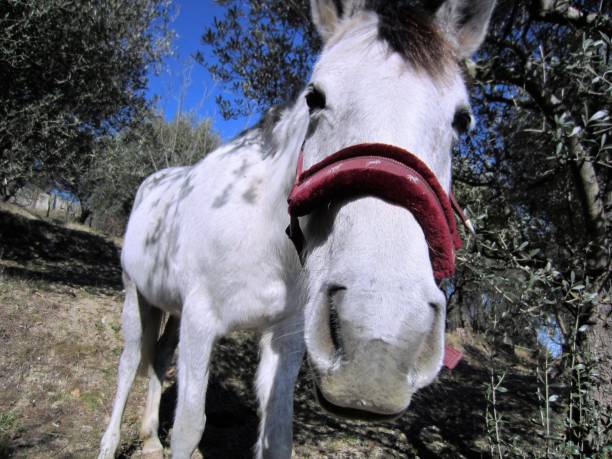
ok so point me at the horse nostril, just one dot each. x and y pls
(334, 325)
(333, 293)
(333, 289)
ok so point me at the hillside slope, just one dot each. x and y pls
(60, 297)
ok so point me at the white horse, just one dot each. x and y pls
(207, 243)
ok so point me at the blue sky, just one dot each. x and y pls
(181, 71)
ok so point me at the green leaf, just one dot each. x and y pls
(601, 114)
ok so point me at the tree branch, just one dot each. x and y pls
(537, 93)
(592, 201)
(471, 182)
(561, 13)
(513, 102)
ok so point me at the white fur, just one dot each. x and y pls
(206, 243)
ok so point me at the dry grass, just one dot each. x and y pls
(60, 344)
(18, 210)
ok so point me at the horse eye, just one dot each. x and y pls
(462, 122)
(315, 99)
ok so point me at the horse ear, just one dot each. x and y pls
(326, 14)
(465, 23)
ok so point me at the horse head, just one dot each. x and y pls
(388, 80)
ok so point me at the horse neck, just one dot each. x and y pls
(283, 143)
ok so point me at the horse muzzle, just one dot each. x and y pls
(371, 386)
(360, 414)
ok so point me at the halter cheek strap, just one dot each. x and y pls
(294, 231)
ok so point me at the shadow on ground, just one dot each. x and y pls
(39, 250)
(446, 420)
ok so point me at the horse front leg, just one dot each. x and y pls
(282, 349)
(198, 331)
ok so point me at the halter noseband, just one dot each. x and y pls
(387, 172)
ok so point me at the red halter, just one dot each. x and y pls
(389, 173)
(395, 175)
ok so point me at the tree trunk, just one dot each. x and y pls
(591, 198)
(9, 189)
(85, 213)
(599, 337)
(35, 196)
(50, 204)
(599, 342)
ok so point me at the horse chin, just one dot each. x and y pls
(352, 412)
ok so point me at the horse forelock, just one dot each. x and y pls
(408, 28)
(412, 32)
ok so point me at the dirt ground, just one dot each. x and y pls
(60, 302)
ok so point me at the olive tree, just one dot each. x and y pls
(71, 72)
(125, 159)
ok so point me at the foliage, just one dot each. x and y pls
(71, 72)
(536, 177)
(264, 51)
(126, 159)
(543, 93)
